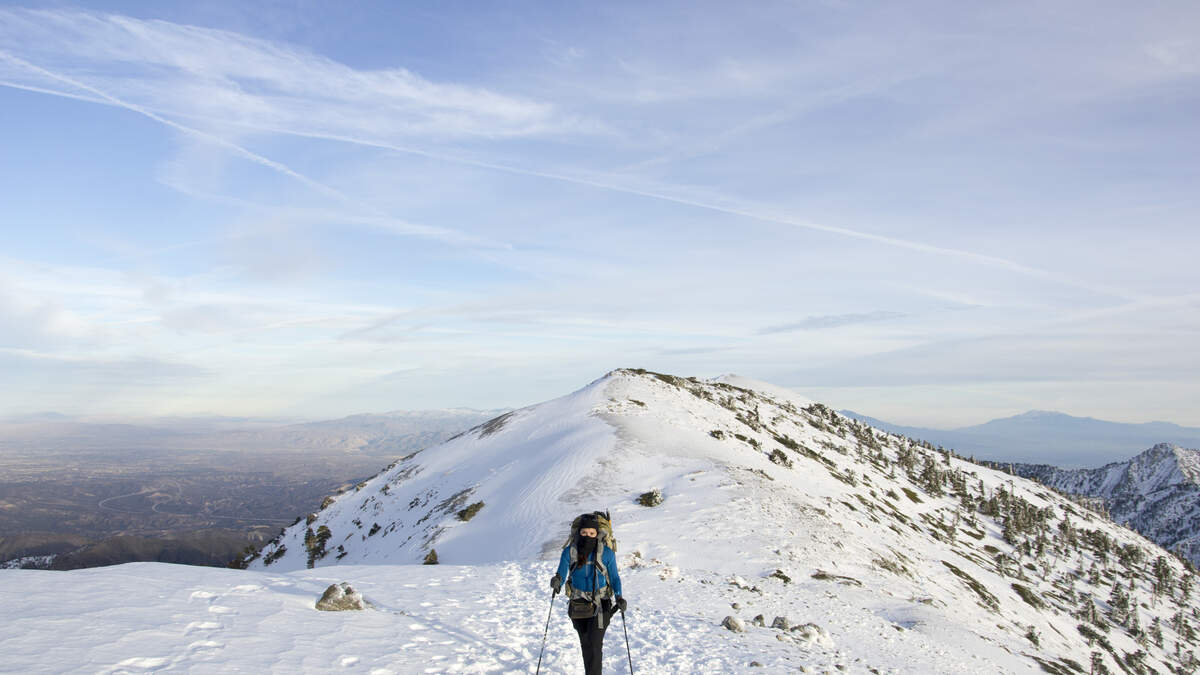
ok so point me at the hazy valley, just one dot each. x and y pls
(195, 492)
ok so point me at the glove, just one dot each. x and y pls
(621, 604)
(556, 583)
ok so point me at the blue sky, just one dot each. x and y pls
(935, 214)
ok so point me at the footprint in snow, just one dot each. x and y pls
(347, 661)
(138, 663)
(202, 595)
(221, 609)
(205, 645)
(201, 625)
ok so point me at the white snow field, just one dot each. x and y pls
(885, 556)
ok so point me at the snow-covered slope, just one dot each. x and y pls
(889, 557)
(1156, 493)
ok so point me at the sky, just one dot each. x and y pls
(936, 213)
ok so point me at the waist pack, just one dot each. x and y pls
(581, 608)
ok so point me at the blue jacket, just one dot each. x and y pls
(581, 578)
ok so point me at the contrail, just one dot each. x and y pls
(381, 218)
(52, 92)
(990, 261)
(978, 258)
(229, 145)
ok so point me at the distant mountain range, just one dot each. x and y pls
(1044, 437)
(386, 434)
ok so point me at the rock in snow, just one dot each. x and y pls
(339, 598)
(814, 634)
(734, 624)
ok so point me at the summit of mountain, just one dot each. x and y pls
(771, 502)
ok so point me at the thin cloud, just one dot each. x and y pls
(1063, 358)
(257, 84)
(750, 212)
(97, 371)
(217, 140)
(232, 77)
(829, 321)
(375, 217)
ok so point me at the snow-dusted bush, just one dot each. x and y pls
(651, 498)
(469, 512)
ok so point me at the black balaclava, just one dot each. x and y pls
(586, 546)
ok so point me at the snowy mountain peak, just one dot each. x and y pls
(1163, 466)
(774, 505)
(1042, 414)
(1163, 451)
(1156, 492)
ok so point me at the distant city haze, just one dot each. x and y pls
(935, 215)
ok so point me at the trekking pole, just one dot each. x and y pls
(627, 652)
(546, 632)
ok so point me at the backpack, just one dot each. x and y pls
(605, 533)
(604, 539)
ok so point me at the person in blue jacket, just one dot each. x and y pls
(586, 580)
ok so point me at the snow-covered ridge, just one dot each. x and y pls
(761, 484)
(1156, 493)
(886, 555)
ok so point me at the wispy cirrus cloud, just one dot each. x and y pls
(232, 78)
(363, 212)
(829, 321)
(168, 71)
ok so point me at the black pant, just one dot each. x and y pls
(591, 638)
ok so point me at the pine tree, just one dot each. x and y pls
(1118, 606)
(1087, 610)
(931, 477)
(1164, 576)
(1135, 628)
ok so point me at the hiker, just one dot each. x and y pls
(594, 590)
